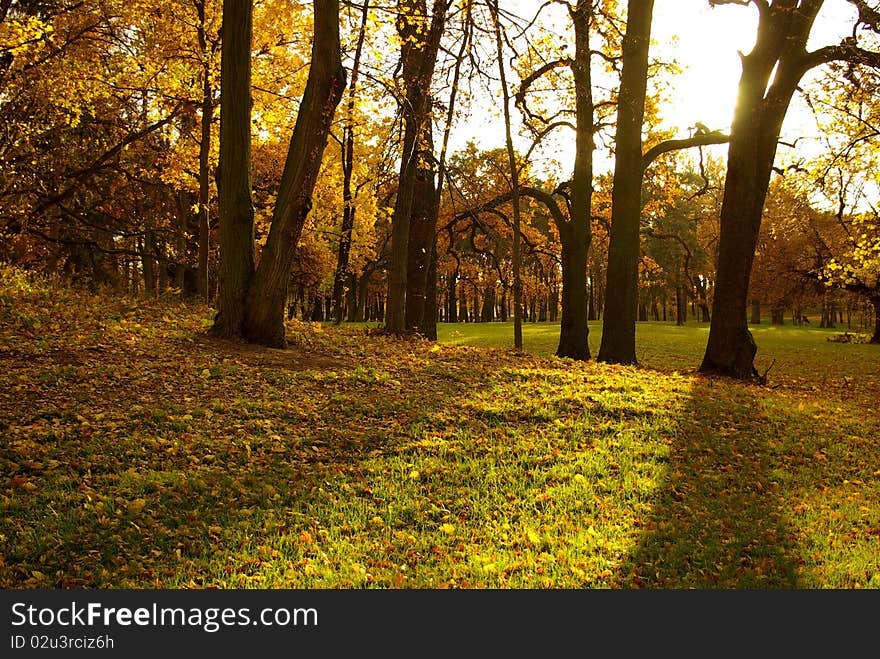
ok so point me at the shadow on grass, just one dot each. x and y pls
(157, 498)
(720, 521)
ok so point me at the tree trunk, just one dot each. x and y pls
(234, 170)
(148, 264)
(573, 331)
(348, 210)
(452, 298)
(680, 306)
(204, 192)
(876, 302)
(362, 291)
(756, 312)
(419, 47)
(513, 168)
(264, 311)
(770, 75)
(487, 314)
(422, 229)
(619, 324)
(429, 320)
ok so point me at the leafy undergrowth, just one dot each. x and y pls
(137, 452)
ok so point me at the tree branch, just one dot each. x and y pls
(700, 139)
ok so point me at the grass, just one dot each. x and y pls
(136, 452)
(665, 346)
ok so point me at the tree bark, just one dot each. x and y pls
(619, 322)
(264, 311)
(429, 320)
(573, 321)
(420, 45)
(770, 75)
(756, 312)
(234, 170)
(516, 255)
(575, 242)
(423, 226)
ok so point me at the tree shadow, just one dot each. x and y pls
(200, 459)
(720, 521)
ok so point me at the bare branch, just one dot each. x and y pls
(700, 139)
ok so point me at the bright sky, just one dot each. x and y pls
(709, 39)
(705, 42)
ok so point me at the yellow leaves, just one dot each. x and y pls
(447, 528)
(17, 35)
(136, 506)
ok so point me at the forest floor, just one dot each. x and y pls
(136, 452)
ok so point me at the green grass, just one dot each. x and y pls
(136, 452)
(665, 346)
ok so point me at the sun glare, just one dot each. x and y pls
(705, 42)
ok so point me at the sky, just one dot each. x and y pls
(705, 42)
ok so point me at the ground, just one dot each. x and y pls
(138, 452)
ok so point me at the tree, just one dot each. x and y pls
(771, 73)
(234, 171)
(348, 139)
(513, 167)
(619, 322)
(420, 43)
(267, 297)
(261, 320)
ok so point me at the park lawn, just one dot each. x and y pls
(138, 452)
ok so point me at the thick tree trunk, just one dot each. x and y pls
(573, 329)
(770, 75)
(422, 228)
(573, 324)
(619, 323)
(264, 312)
(420, 45)
(234, 170)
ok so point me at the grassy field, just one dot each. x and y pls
(137, 452)
(664, 346)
